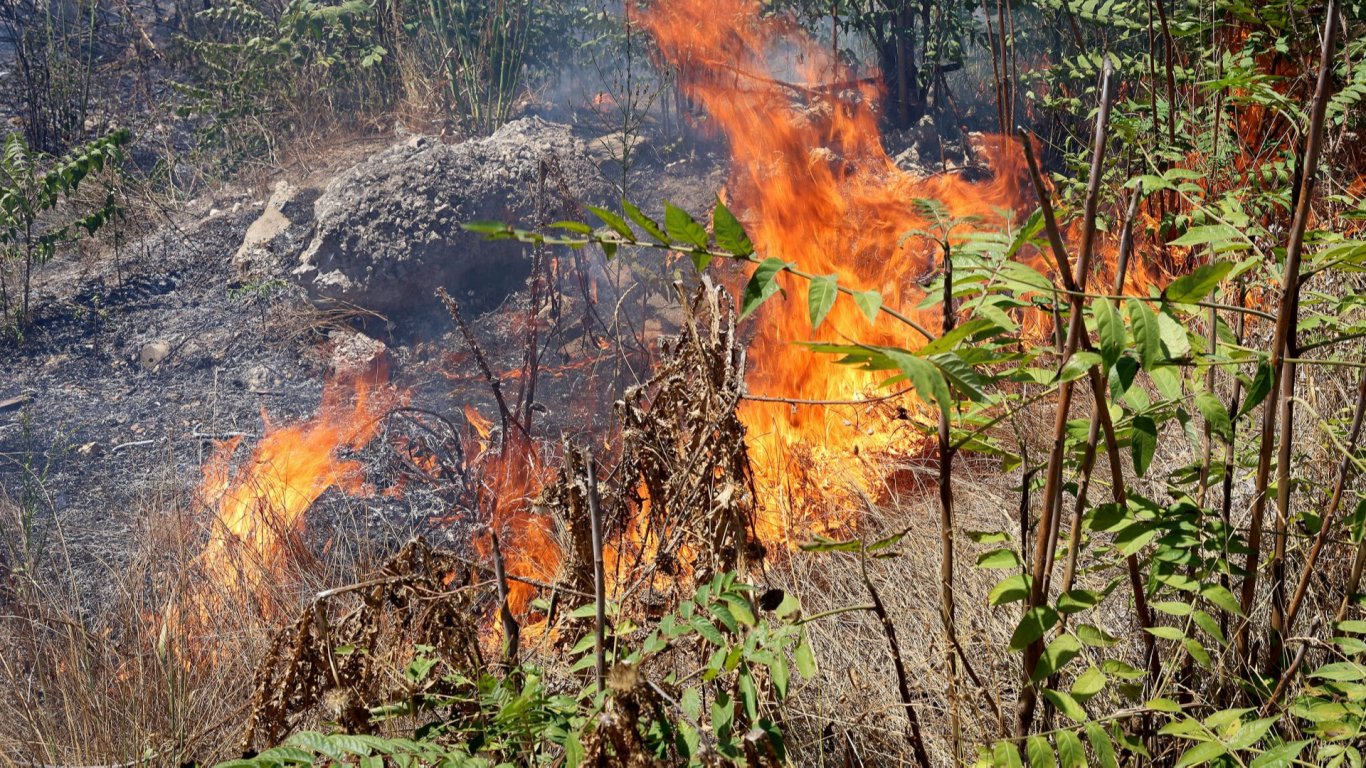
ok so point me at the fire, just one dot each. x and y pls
(819, 189)
(508, 481)
(260, 507)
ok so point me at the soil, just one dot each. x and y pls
(135, 367)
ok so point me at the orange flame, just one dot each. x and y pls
(819, 190)
(261, 506)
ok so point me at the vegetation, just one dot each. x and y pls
(1157, 362)
(32, 188)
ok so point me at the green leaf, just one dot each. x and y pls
(1143, 444)
(692, 703)
(1174, 336)
(1062, 650)
(1195, 286)
(998, 559)
(1110, 327)
(1009, 590)
(1258, 389)
(1147, 333)
(1342, 671)
(1067, 705)
(1101, 745)
(749, 697)
(1212, 409)
(806, 661)
(1033, 624)
(1078, 364)
(924, 376)
(574, 226)
(1004, 755)
(964, 377)
(1094, 637)
(1164, 705)
(868, 301)
(1197, 652)
(613, 221)
(707, 630)
(730, 234)
(646, 223)
(1218, 236)
(1088, 684)
(1201, 754)
(1281, 756)
(820, 297)
(778, 674)
(762, 285)
(1223, 598)
(1249, 733)
(1167, 633)
(1039, 752)
(682, 228)
(1071, 754)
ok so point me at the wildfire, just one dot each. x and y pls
(818, 189)
(509, 480)
(260, 507)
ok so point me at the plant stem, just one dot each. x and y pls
(1282, 384)
(1046, 537)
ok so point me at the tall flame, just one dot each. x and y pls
(818, 189)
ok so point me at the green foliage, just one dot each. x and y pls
(718, 647)
(33, 187)
(261, 73)
(1177, 552)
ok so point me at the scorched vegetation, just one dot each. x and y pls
(1003, 407)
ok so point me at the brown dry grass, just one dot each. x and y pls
(93, 671)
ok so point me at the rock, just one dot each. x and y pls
(153, 352)
(388, 230)
(278, 234)
(259, 378)
(357, 355)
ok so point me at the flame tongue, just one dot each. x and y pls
(818, 189)
(261, 506)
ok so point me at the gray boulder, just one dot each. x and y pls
(388, 233)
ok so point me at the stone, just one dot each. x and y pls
(153, 352)
(388, 230)
(278, 234)
(356, 355)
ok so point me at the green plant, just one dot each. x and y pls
(1155, 374)
(54, 55)
(705, 686)
(483, 52)
(263, 73)
(32, 187)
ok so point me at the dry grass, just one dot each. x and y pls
(95, 667)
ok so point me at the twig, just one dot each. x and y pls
(511, 632)
(903, 686)
(599, 577)
(505, 415)
(1282, 375)
(1046, 538)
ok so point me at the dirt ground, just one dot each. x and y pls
(135, 367)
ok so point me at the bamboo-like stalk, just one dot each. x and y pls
(1100, 416)
(1046, 538)
(947, 613)
(511, 632)
(599, 577)
(1278, 408)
